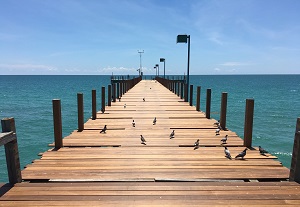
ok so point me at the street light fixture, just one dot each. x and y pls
(186, 39)
(157, 69)
(163, 60)
(140, 69)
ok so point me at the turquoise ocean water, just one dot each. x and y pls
(29, 100)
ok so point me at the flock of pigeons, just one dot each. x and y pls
(197, 143)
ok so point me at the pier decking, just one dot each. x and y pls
(115, 169)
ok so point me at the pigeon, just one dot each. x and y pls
(218, 130)
(262, 151)
(227, 153)
(133, 123)
(242, 154)
(124, 106)
(144, 99)
(172, 134)
(154, 121)
(224, 140)
(217, 123)
(143, 140)
(196, 145)
(104, 129)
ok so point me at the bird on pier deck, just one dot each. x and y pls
(217, 123)
(144, 99)
(143, 140)
(242, 154)
(154, 121)
(227, 153)
(124, 106)
(218, 130)
(262, 151)
(196, 145)
(172, 134)
(224, 140)
(104, 129)
(133, 123)
(102, 110)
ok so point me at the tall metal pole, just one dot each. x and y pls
(188, 67)
(140, 52)
(164, 68)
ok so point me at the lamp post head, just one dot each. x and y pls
(182, 38)
(156, 65)
(162, 59)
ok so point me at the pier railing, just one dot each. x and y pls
(8, 138)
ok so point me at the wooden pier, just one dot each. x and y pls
(115, 169)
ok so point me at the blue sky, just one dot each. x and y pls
(104, 36)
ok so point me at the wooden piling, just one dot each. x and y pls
(191, 95)
(118, 90)
(248, 127)
(57, 123)
(198, 98)
(103, 98)
(80, 112)
(114, 92)
(12, 152)
(94, 105)
(186, 92)
(109, 95)
(223, 110)
(295, 164)
(208, 103)
(181, 90)
(121, 89)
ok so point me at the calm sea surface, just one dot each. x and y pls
(29, 100)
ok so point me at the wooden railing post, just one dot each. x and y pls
(178, 88)
(114, 92)
(118, 90)
(248, 127)
(109, 95)
(121, 88)
(57, 123)
(94, 105)
(198, 98)
(103, 98)
(12, 152)
(186, 92)
(181, 90)
(223, 110)
(191, 95)
(208, 103)
(295, 164)
(80, 112)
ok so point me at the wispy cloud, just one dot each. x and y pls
(28, 67)
(216, 38)
(233, 64)
(117, 69)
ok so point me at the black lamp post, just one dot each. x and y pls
(186, 39)
(157, 66)
(163, 60)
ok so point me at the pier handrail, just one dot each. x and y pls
(8, 138)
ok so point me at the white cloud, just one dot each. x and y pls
(230, 64)
(28, 67)
(117, 69)
(216, 38)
